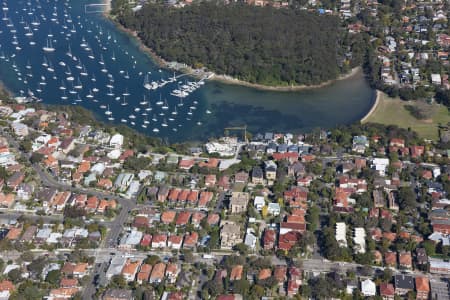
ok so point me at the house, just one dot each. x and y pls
(421, 256)
(359, 240)
(7, 200)
(438, 266)
(396, 142)
(175, 242)
(210, 180)
(422, 288)
(190, 240)
(236, 272)
(378, 198)
(241, 177)
(387, 291)
(390, 259)
(380, 165)
(439, 289)
(186, 164)
(230, 235)
(288, 240)
(403, 284)
(405, 260)
(158, 271)
(257, 175)
(159, 241)
(280, 274)
(6, 288)
(259, 202)
(368, 288)
(273, 209)
(15, 180)
(117, 294)
(269, 239)
(144, 273)
(172, 273)
(168, 216)
(270, 168)
(341, 234)
(116, 141)
(130, 269)
(239, 202)
(182, 218)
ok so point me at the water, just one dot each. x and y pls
(113, 58)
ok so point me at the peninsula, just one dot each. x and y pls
(242, 45)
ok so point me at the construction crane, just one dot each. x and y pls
(244, 128)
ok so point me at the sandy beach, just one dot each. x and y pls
(374, 107)
(229, 80)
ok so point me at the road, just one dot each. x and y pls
(115, 227)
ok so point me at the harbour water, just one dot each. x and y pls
(54, 50)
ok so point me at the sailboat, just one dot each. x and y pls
(84, 71)
(113, 56)
(49, 46)
(160, 102)
(124, 103)
(108, 112)
(63, 86)
(79, 86)
(143, 101)
(165, 105)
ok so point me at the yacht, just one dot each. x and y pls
(143, 101)
(49, 46)
(124, 103)
(165, 105)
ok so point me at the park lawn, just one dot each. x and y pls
(391, 111)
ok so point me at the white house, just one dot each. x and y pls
(274, 209)
(341, 234)
(359, 240)
(368, 288)
(380, 165)
(259, 202)
(116, 141)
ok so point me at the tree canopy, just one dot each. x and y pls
(255, 44)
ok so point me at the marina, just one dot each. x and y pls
(60, 55)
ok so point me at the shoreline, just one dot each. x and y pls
(161, 62)
(230, 80)
(374, 107)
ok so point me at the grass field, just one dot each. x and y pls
(392, 111)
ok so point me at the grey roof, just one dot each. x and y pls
(404, 282)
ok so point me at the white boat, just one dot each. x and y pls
(132, 116)
(84, 72)
(108, 112)
(208, 111)
(49, 46)
(164, 124)
(165, 105)
(79, 85)
(137, 109)
(63, 86)
(143, 101)
(62, 64)
(113, 56)
(156, 130)
(124, 102)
